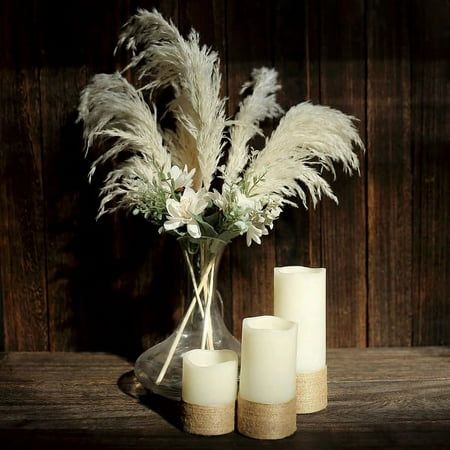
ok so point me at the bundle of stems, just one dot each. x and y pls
(202, 298)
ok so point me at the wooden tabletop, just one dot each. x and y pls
(378, 398)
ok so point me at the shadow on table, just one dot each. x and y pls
(169, 410)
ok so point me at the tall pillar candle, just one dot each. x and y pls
(209, 388)
(267, 389)
(300, 296)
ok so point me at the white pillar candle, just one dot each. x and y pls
(209, 377)
(300, 296)
(268, 357)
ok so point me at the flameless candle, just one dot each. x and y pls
(266, 401)
(300, 296)
(268, 360)
(209, 388)
(209, 377)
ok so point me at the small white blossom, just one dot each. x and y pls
(243, 202)
(241, 226)
(181, 178)
(217, 198)
(254, 233)
(272, 211)
(233, 200)
(185, 211)
(250, 215)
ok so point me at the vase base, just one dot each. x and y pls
(149, 364)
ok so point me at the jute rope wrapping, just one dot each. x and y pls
(312, 391)
(208, 420)
(261, 421)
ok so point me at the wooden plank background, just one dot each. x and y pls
(70, 283)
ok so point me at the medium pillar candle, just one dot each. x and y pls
(266, 400)
(300, 296)
(209, 388)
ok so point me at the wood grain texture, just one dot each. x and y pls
(297, 232)
(431, 125)
(68, 282)
(67, 64)
(378, 398)
(342, 86)
(389, 174)
(249, 46)
(22, 238)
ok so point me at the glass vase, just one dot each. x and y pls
(159, 368)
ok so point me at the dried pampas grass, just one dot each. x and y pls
(176, 165)
(308, 139)
(259, 105)
(164, 58)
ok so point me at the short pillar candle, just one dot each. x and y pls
(266, 399)
(209, 388)
(300, 296)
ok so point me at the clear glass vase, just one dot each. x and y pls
(159, 368)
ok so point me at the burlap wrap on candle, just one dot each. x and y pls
(261, 421)
(312, 391)
(208, 420)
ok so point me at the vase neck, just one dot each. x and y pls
(202, 259)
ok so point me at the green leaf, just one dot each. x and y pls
(212, 219)
(206, 229)
(228, 235)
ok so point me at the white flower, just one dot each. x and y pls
(181, 178)
(185, 211)
(217, 198)
(243, 202)
(232, 199)
(271, 213)
(254, 233)
(247, 215)
(241, 226)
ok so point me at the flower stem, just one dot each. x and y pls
(207, 323)
(183, 324)
(194, 283)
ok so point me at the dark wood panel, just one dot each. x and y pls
(106, 279)
(389, 174)
(80, 272)
(249, 46)
(296, 57)
(342, 86)
(22, 238)
(393, 398)
(431, 125)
